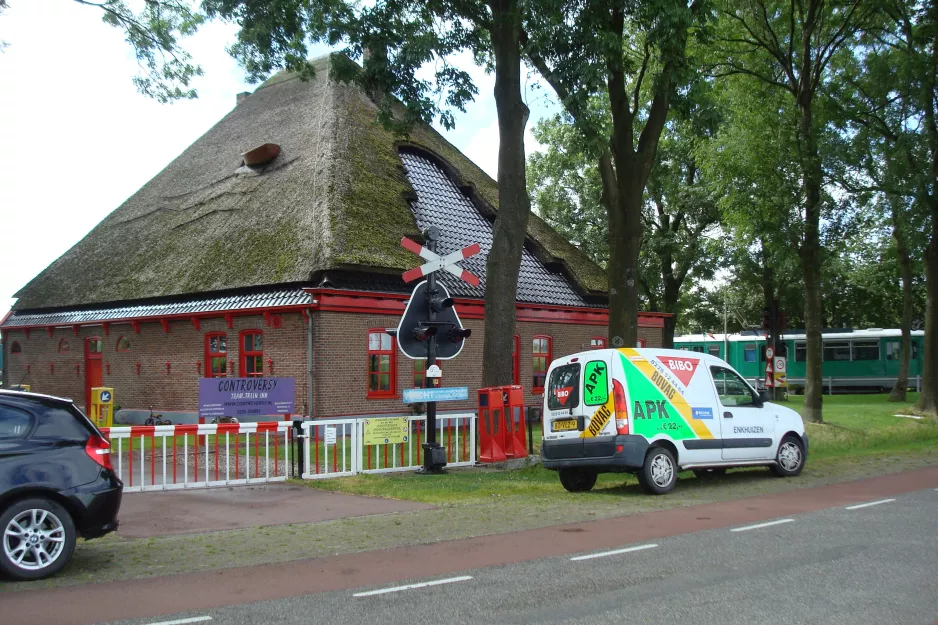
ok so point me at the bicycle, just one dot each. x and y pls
(156, 419)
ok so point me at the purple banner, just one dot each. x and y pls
(238, 397)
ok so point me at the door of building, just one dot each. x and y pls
(93, 378)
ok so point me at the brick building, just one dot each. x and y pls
(230, 263)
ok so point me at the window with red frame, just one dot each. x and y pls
(123, 344)
(516, 361)
(420, 372)
(597, 342)
(640, 343)
(540, 360)
(252, 354)
(63, 346)
(216, 355)
(382, 364)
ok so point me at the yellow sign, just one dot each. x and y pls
(387, 431)
(102, 407)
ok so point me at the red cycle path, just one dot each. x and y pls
(159, 596)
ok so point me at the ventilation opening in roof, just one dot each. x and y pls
(260, 155)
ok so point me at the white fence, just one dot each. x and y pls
(165, 457)
(336, 447)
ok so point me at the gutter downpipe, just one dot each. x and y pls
(309, 359)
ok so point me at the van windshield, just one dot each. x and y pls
(564, 388)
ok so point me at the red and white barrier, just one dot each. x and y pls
(164, 457)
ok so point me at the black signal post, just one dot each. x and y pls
(434, 456)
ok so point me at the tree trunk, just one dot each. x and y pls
(811, 262)
(905, 272)
(927, 401)
(511, 223)
(671, 302)
(625, 242)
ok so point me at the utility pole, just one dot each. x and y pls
(431, 461)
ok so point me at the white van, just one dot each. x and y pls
(654, 412)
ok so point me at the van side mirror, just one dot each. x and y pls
(763, 397)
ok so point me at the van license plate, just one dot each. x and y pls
(563, 426)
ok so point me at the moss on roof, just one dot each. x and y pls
(336, 197)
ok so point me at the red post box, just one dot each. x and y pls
(501, 423)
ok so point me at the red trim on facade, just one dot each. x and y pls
(107, 328)
(75, 329)
(165, 324)
(136, 326)
(230, 321)
(394, 303)
(197, 324)
(50, 331)
(26, 332)
(516, 361)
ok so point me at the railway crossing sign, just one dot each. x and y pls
(437, 262)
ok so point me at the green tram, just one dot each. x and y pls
(853, 360)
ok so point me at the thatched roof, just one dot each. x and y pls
(336, 198)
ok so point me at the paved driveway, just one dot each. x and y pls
(150, 514)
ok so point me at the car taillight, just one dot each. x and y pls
(99, 450)
(621, 407)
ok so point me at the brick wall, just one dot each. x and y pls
(182, 347)
(340, 344)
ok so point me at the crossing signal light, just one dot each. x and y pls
(439, 304)
(458, 335)
(415, 329)
(423, 333)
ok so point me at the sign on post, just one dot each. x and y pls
(420, 395)
(781, 367)
(240, 397)
(387, 431)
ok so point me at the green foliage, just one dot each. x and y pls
(166, 70)
(397, 40)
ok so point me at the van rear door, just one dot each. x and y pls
(578, 405)
(562, 410)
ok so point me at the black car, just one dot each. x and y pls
(56, 483)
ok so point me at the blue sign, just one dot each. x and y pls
(420, 395)
(702, 413)
(238, 397)
(105, 397)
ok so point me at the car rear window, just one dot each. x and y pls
(564, 389)
(14, 423)
(60, 423)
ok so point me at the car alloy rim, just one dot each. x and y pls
(789, 456)
(34, 539)
(661, 470)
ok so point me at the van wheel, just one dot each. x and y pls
(789, 459)
(38, 538)
(577, 480)
(705, 473)
(659, 473)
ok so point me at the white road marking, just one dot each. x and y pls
(869, 503)
(437, 582)
(612, 553)
(183, 621)
(755, 527)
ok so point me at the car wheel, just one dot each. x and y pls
(789, 459)
(705, 473)
(659, 473)
(38, 539)
(577, 480)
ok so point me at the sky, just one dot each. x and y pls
(76, 139)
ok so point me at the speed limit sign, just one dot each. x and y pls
(780, 365)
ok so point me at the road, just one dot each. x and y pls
(871, 564)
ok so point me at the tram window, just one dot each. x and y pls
(714, 350)
(749, 353)
(801, 352)
(914, 350)
(865, 350)
(836, 351)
